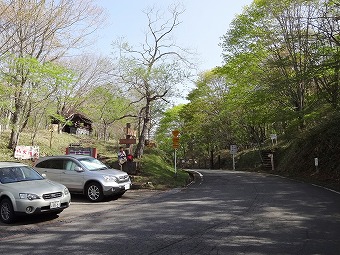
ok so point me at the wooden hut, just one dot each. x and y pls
(81, 125)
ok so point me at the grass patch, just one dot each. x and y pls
(159, 173)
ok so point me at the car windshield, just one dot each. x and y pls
(93, 164)
(18, 174)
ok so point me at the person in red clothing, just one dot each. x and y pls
(129, 157)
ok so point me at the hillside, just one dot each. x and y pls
(295, 157)
(56, 144)
(323, 143)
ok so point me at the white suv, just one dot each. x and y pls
(84, 174)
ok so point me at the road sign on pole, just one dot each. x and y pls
(233, 151)
(175, 133)
(175, 142)
(175, 139)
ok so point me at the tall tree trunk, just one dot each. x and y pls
(14, 131)
(142, 137)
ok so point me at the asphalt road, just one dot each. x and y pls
(224, 212)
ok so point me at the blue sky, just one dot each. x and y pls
(203, 24)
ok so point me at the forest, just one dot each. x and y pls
(281, 76)
(46, 74)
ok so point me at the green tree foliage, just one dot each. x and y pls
(203, 128)
(105, 107)
(281, 75)
(43, 31)
(170, 121)
(283, 59)
(29, 84)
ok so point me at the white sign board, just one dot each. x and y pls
(273, 136)
(26, 152)
(233, 149)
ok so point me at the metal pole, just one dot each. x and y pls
(272, 161)
(316, 163)
(233, 161)
(175, 163)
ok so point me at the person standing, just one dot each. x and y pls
(121, 157)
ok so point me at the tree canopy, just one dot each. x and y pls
(280, 76)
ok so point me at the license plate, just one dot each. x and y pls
(55, 204)
(127, 186)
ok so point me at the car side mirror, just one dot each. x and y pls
(78, 169)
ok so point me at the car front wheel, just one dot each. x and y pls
(6, 211)
(94, 192)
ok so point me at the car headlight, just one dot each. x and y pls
(110, 178)
(66, 191)
(28, 196)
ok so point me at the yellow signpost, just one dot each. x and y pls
(175, 139)
(175, 142)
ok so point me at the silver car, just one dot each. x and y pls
(84, 174)
(24, 191)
